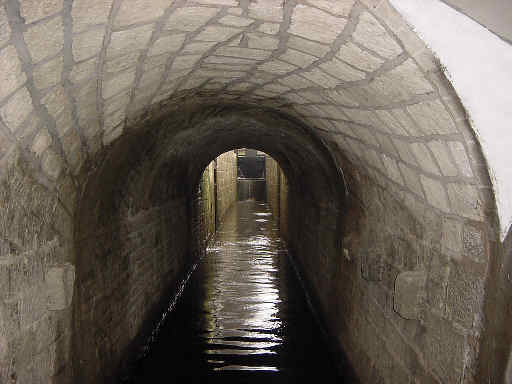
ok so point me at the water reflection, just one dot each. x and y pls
(243, 318)
(242, 293)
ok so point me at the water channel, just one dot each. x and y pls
(243, 316)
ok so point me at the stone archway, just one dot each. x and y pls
(91, 90)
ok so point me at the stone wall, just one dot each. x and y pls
(134, 245)
(130, 266)
(495, 366)
(283, 205)
(403, 290)
(277, 194)
(217, 193)
(226, 182)
(207, 209)
(111, 110)
(272, 176)
(36, 273)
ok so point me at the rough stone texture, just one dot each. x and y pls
(87, 44)
(49, 73)
(87, 85)
(226, 182)
(88, 13)
(60, 283)
(190, 19)
(33, 10)
(136, 11)
(372, 266)
(10, 71)
(409, 293)
(269, 10)
(372, 35)
(315, 24)
(32, 243)
(208, 202)
(51, 44)
(273, 186)
(17, 109)
(5, 31)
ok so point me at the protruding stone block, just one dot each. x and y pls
(409, 293)
(60, 281)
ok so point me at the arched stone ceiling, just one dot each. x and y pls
(463, 46)
(78, 74)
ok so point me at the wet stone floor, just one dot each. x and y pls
(243, 317)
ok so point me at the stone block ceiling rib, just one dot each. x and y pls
(354, 72)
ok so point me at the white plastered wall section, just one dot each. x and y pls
(479, 65)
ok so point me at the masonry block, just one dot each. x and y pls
(60, 282)
(355, 56)
(474, 244)
(372, 265)
(53, 42)
(314, 24)
(5, 31)
(371, 34)
(409, 293)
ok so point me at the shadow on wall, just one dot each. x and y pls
(138, 226)
(135, 236)
(352, 249)
(133, 245)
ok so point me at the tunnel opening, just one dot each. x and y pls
(111, 110)
(251, 174)
(136, 236)
(239, 175)
(154, 217)
(241, 313)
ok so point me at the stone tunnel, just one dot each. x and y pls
(389, 127)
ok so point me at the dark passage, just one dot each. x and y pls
(243, 317)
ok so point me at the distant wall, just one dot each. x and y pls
(133, 247)
(226, 183)
(272, 172)
(277, 194)
(283, 206)
(207, 202)
(255, 189)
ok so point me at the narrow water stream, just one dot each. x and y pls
(243, 317)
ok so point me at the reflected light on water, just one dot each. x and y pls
(242, 318)
(242, 303)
